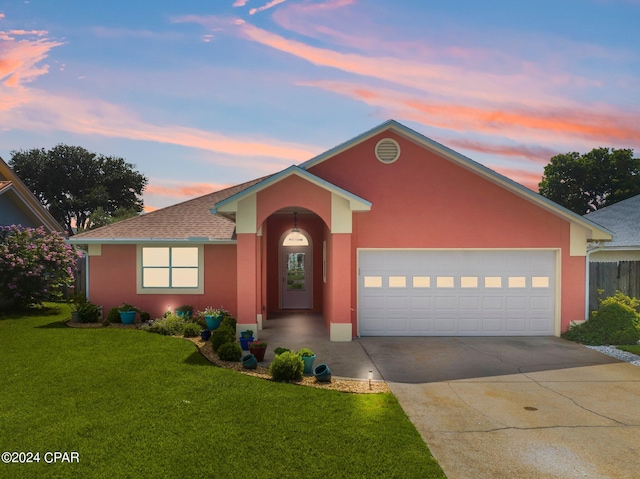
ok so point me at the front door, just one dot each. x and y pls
(296, 279)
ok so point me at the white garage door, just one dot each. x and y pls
(456, 293)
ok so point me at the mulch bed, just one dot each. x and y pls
(354, 386)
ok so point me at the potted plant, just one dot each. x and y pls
(213, 317)
(258, 348)
(246, 337)
(249, 362)
(127, 313)
(89, 312)
(307, 357)
(185, 311)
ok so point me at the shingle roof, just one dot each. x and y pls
(623, 219)
(182, 221)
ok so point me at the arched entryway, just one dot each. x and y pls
(296, 270)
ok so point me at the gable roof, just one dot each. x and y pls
(11, 184)
(187, 221)
(596, 231)
(230, 204)
(623, 219)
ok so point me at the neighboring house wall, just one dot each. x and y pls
(607, 256)
(116, 281)
(12, 213)
(425, 201)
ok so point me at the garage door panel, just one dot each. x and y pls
(472, 292)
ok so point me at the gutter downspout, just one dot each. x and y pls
(588, 279)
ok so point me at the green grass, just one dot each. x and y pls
(635, 349)
(134, 404)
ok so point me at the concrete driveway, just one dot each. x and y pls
(516, 407)
(493, 408)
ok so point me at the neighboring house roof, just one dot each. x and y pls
(11, 184)
(623, 219)
(187, 221)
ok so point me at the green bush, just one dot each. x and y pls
(287, 366)
(172, 325)
(89, 312)
(229, 321)
(222, 335)
(616, 322)
(230, 352)
(280, 350)
(112, 317)
(191, 330)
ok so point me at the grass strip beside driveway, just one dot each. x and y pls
(134, 404)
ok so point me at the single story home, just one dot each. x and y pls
(19, 206)
(387, 234)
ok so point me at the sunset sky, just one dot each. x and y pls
(200, 95)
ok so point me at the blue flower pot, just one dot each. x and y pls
(244, 343)
(213, 322)
(205, 335)
(308, 364)
(322, 374)
(127, 317)
(249, 362)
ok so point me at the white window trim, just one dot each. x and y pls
(198, 290)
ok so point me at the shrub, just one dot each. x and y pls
(230, 352)
(222, 335)
(89, 312)
(112, 317)
(614, 323)
(287, 366)
(191, 330)
(34, 265)
(280, 350)
(144, 316)
(229, 321)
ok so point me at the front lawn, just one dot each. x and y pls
(134, 404)
(635, 349)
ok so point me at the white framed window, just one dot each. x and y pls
(170, 269)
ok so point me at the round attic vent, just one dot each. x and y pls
(387, 150)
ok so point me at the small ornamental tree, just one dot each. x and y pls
(34, 265)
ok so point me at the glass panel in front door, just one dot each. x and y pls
(295, 272)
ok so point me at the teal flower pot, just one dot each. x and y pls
(183, 314)
(308, 364)
(213, 322)
(249, 362)
(322, 374)
(127, 317)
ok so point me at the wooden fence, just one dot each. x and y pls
(607, 278)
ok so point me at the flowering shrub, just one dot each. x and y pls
(34, 265)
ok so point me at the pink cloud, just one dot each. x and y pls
(267, 6)
(547, 121)
(537, 154)
(240, 3)
(46, 112)
(20, 58)
(524, 177)
(182, 189)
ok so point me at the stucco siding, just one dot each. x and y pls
(113, 281)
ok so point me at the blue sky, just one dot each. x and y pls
(200, 95)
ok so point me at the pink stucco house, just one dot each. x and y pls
(387, 234)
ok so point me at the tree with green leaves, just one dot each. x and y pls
(74, 183)
(588, 182)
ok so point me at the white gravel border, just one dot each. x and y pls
(618, 354)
